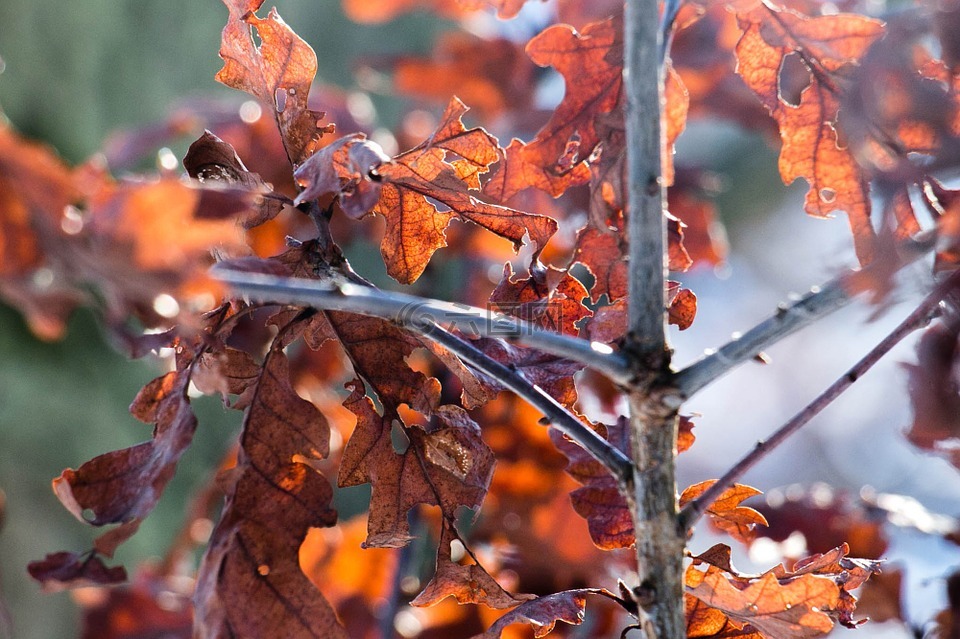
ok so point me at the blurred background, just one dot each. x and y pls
(75, 73)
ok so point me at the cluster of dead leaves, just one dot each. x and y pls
(392, 410)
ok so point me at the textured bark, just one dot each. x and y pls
(643, 83)
(653, 504)
(653, 402)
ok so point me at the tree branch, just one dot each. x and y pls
(818, 303)
(643, 85)
(399, 307)
(420, 315)
(917, 319)
(652, 498)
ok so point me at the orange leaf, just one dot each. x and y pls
(449, 466)
(726, 512)
(812, 147)
(442, 171)
(591, 64)
(542, 614)
(123, 486)
(599, 501)
(415, 226)
(793, 610)
(278, 72)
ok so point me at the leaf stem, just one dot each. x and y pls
(420, 315)
(789, 318)
(400, 307)
(917, 319)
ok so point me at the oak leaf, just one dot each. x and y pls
(250, 580)
(548, 298)
(467, 582)
(791, 610)
(278, 71)
(591, 63)
(812, 146)
(542, 614)
(682, 306)
(551, 373)
(61, 570)
(448, 466)
(601, 251)
(726, 513)
(599, 500)
(443, 170)
(123, 486)
(211, 161)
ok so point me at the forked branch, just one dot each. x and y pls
(788, 319)
(917, 319)
(422, 316)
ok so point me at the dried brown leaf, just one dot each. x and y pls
(278, 71)
(61, 570)
(123, 486)
(250, 581)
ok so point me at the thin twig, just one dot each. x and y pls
(917, 319)
(365, 300)
(789, 318)
(419, 315)
(646, 193)
(670, 10)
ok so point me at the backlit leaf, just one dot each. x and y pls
(726, 512)
(250, 581)
(792, 610)
(590, 62)
(278, 71)
(466, 581)
(542, 614)
(599, 501)
(448, 466)
(812, 147)
(421, 190)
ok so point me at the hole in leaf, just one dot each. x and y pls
(263, 570)
(828, 195)
(399, 438)
(255, 36)
(89, 515)
(280, 97)
(792, 79)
